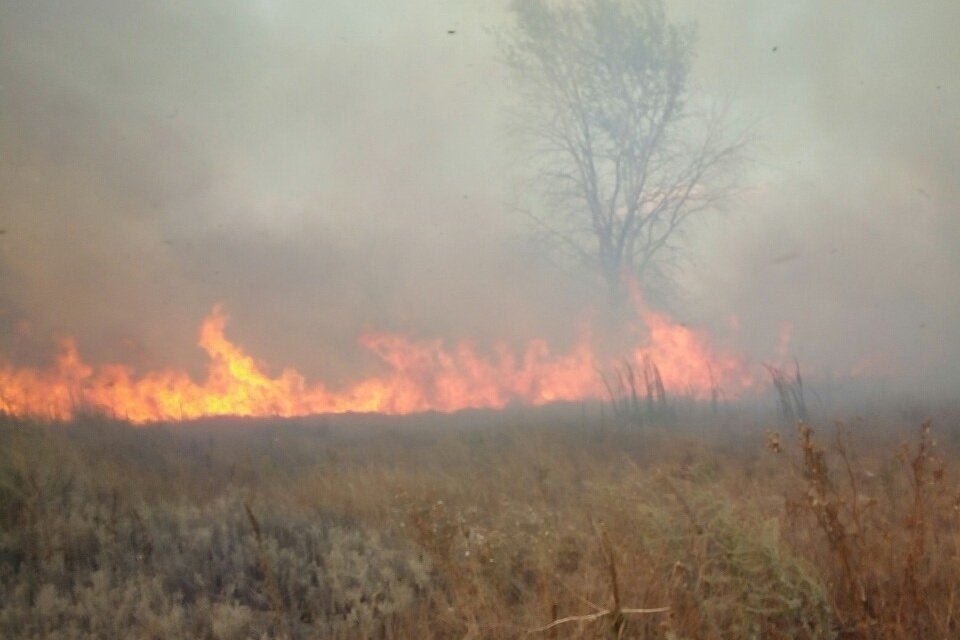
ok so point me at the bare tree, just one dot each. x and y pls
(625, 160)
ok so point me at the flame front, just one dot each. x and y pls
(419, 376)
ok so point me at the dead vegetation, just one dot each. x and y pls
(889, 531)
(791, 401)
(637, 395)
(454, 532)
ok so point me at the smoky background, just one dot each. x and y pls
(327, 168)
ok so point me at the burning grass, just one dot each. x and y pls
(455, 530)
(414, 376)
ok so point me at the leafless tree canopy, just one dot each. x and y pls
(626, 162)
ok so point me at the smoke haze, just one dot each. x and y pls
(325, 168)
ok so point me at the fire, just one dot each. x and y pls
(417, 376)
(686, 362)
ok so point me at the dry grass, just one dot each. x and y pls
(470, 532)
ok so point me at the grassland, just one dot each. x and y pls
(485, 526)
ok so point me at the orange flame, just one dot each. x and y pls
(420, 376)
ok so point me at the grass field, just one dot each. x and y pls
(481, 526)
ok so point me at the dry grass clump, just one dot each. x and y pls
(673, 542)
(884, 530)
(455, 531)
(82, 558)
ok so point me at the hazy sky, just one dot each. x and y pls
(326, 167)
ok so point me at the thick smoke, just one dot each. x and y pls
(849, 229)
(323, 168)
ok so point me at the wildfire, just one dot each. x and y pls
(417, 376)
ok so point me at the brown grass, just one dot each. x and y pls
(477, 532)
